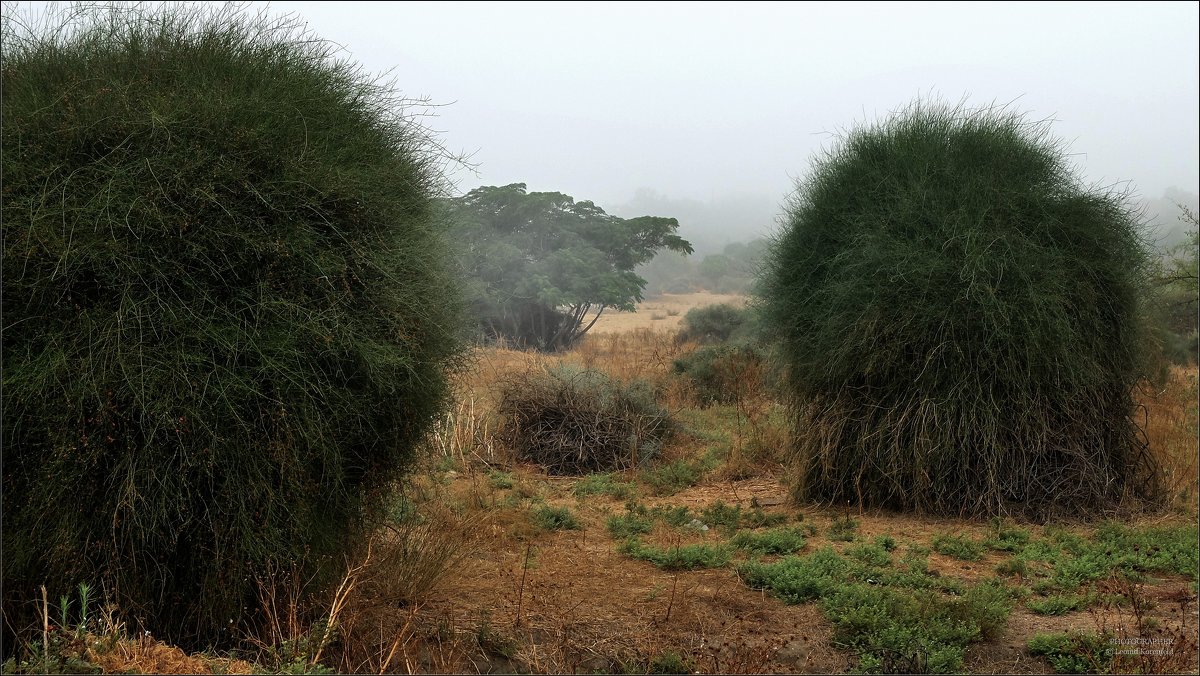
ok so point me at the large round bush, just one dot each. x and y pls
(961, 321)
(226, 315)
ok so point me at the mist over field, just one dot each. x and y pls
(709, 112)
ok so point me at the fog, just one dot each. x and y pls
(718, 108)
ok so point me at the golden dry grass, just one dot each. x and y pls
(1170, 420)
(662, 312)
(500, 594)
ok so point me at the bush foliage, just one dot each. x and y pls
(227, 319)
(721, 374)
(578, 421)
(716, 323)
(962, 321)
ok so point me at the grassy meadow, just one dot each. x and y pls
(696, 560)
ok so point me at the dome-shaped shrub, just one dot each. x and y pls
(226, 315)
(961, 321)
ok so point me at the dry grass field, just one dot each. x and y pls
(662, 312)
(519, 571)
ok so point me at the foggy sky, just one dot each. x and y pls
(728, 102)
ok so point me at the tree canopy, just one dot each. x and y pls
(541, 267)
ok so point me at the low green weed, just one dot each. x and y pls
(670, 478)
(1074, 652)
(895, 621)
(682, 557)
(842, 529)
(1059, 604)
(1006, 539)
(622, 526)
(957, 546)
(774, 541)
(605, 484)
(555, 518)
(500, 480)
(870, 554)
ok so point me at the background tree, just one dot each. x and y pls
(713, 268)
(1179, 293)
(227, 308)
(541, 267)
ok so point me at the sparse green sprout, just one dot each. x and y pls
(622, 526)
(870, 554)
(500, 480)
(958, 546)
(1057, 605)
(669, 663)
(842, 529)
(774, 541)
(681, 557)
(1074, 652)
(605, 484)
(555, 518)
(719, 514)
(1013, 566)
(897, 622)
(670, 478)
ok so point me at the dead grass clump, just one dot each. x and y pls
(1171, 424)
(465, 435)
(578, 421)
(379, 625)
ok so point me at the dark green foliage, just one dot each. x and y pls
(226, 313)
(732, 363)
(958, 546)
(757, 518)
(555, 518)
(1074, 653)
(538, 264)
(798, 579)
(718, 323)
(1066, 563)
(723, 374)
(682, 557)
(961, 320)
(577, 421)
